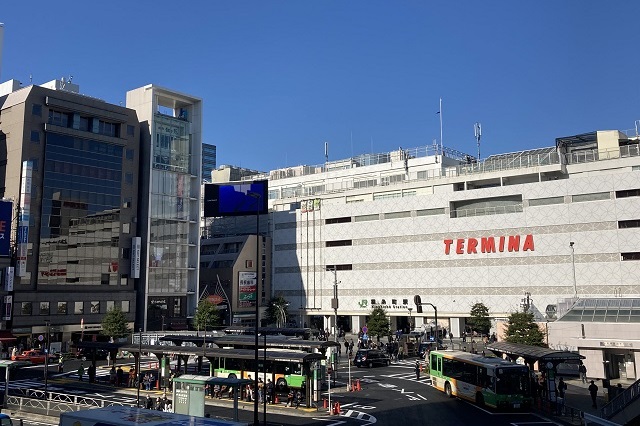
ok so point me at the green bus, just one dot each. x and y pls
(493, 382)
(285, 368)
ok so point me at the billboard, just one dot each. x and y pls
(247, 286)
(6, 209)
(23, 220)
(136, 248)
(240, 199)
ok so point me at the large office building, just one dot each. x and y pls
(208, 161)
(70, 167)
(170, 171)
(550, 225)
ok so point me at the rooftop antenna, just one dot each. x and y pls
(30, 79)
(326, 152)
(637, 124)
(477, 130)
(440, 114)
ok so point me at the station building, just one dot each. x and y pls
(550, 225)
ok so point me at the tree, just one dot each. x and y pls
(480, 320)
(207, 315)
(277, 312)
(522, 329)
(378, 324)
(115, 324)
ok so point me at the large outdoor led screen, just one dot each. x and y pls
(239, 199)
(6, 208)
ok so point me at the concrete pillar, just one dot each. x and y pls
(456, 326)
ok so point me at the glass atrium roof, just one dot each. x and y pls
(604, 310)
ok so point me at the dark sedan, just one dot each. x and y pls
(370, 358)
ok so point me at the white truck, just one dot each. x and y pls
(128, 416)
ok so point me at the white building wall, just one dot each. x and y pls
(397, 258)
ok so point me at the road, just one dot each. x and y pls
(389, 396)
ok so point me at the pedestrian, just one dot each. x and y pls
(260, 391)
(119, 377)
(112, 375)
(298, 398)
(593, 391)
(289, 398)
(582, 369)
(60, 364)
(148, 403)
(418, 368)
(91, 372)
(80, 371)
(562, 389)
(132, 377)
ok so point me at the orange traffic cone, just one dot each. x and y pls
(324, 403)
(276, 400)
(336, 408)
(358, 384)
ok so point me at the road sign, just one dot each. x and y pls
(365, 329)
(40, 338)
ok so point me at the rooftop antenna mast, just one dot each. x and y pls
(440, 114)
(637, 124)
(477, 130)
(326, 153)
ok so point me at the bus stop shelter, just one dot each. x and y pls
(189, 392)
(547, 359)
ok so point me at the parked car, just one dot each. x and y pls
(34, 356)
(429, 346)
(370, 358)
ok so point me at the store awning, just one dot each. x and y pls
(6, 336)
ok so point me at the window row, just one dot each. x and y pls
(62, 308)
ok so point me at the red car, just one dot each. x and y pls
(33, 355)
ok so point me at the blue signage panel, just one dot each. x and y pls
(6, 208)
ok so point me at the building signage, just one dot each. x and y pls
(391, 307)
(309, 205)
(136, 248)
(247, 286)
(8, 278)
(616, 344)
(6, 208)
(7, 308)
(508, 243)
(23, 219)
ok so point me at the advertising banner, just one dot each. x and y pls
(136, 248)
(23, 221)
(6, 208)
(8, 278)
(247, 287)
(8, 306)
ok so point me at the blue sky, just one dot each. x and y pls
(279, 78)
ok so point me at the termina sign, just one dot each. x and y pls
(6, 207)
(508, 243)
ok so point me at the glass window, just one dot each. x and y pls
(128, 178)
(36, 109)
(130, 131)
(104, 279)
(44, 308)
(35, 136)
(95, 307)
(129, 154)
(126, 228)
(124, 306)
(110, 305)
(62, 308)
(26, 308)
(78, 308)
(123, 279)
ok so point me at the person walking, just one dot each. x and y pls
(80, 371)
(562, 389)
(60, 364)
(593, 391)
(418, 368)
(582, 369)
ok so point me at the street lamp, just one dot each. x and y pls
(46, 361)
(573, 265)
(137, 381)
(419, 303)
(257, 197)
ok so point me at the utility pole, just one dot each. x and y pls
(334, 303)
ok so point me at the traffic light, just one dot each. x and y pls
(418, 301)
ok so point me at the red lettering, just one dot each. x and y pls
(447, 246)
(514, 243)
(471, 248)
(3, 225)
(528, 243)
(487, 245)
(459, 246)
(501, 244)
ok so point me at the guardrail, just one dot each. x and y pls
(36, 401)
(621, 401)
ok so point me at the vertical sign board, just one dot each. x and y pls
(247, 287)
(8, 306)
(136, 247)
(23, 219)
(8, 278)
(6, 208)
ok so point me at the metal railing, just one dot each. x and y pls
(621, 401)
(36, 401)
